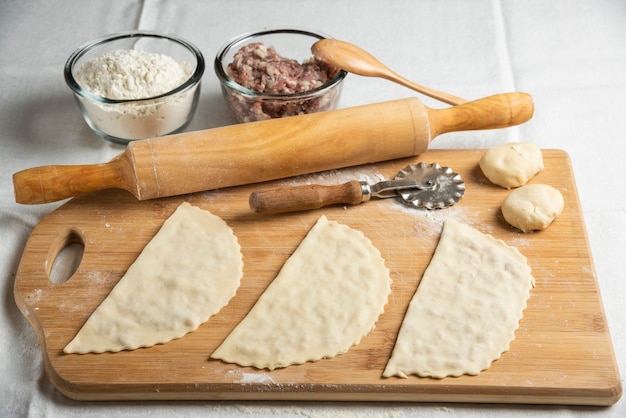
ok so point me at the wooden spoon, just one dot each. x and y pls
(355, 60)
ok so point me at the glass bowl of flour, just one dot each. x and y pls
(136, 85)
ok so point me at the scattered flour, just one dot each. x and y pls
(430, 222)
(337, 176)
(35, 297)
(324, 410)
(242, 377)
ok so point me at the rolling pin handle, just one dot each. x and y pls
(492, 112)
(57, 182)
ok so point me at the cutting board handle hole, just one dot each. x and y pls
(67, 255)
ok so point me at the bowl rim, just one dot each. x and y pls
(194, 79)
(240, 39)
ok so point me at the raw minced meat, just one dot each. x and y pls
(263, 70)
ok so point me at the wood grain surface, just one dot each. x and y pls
(562, 353)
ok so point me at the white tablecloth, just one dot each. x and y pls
(569, 54)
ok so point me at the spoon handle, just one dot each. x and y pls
(435, 94)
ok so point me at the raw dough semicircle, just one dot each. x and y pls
(466, 309)
(189, 270)
(327, 296)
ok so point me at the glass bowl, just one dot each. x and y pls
(251, 104)
(122, 120)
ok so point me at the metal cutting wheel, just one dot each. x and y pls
(436, 187)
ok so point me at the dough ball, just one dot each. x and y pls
(513, 164)
(532, 207)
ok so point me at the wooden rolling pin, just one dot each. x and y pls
(272, 149)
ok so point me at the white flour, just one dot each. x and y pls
(133, 75)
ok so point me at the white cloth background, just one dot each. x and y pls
(569, 54)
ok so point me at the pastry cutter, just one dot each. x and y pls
(421, 185)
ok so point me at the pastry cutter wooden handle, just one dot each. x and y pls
(430, 186)
(271, 149)
(315, 196)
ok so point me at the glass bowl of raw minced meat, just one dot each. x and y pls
(135, 85)
(272, 74)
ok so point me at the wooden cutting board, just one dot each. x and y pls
(562, 352)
